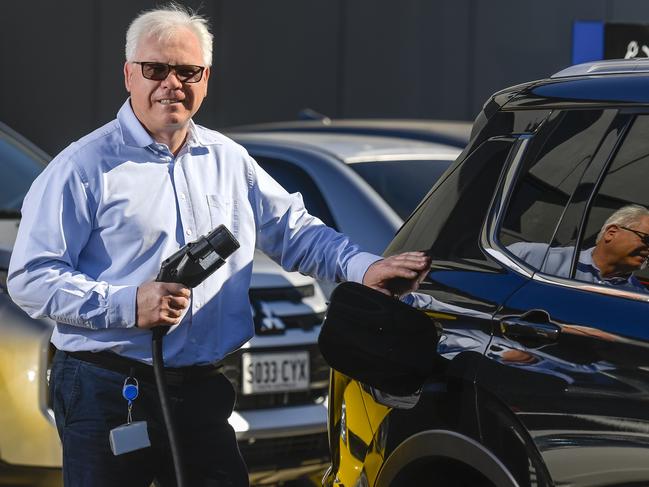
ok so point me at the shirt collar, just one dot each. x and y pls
(586, 259)
(134, 134)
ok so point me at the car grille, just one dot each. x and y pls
(283, 452)
(290, 293)
(316, 393)
(305, 322)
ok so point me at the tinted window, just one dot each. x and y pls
(296, 180)
(623, 184)
(550, 173)
(402, 184)
(19, 169)
(449, 222)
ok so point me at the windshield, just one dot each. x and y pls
(20, 166)
(402, 184)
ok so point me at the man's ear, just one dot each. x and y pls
(128, 72)
(610, 232)
(206, 78)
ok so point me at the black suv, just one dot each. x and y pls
(539, 374)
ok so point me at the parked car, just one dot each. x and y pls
(539, 377)
(362, 185)
(281, 427)
(447, 132)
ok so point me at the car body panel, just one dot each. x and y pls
(28, 436)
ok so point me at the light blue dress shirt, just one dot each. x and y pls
(112, 206)
(559, 261)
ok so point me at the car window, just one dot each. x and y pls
(622, 186)
(551, 170)
(19, 169)
(445, 213)
(296, 180)
(402, 184)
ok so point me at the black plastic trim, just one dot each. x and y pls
(445, 444)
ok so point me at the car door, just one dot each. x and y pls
(569, 361)
(460, 294)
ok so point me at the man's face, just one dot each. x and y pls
(626, 247)
(165, 107)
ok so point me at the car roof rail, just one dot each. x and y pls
(614, 66)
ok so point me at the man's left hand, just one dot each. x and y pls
(398, 274)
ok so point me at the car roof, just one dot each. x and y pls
(451, 132)
(613, 83)
(610, 66)
(36, 152)
(353, 148)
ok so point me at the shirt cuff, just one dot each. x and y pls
(408, 299)
(358, 265)
(121, 306)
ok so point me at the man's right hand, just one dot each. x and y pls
(161, 303)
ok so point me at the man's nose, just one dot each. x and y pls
(172, 81)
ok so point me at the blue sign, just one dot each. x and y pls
(587, 41)
(593, 40)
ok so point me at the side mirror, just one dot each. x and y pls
(378, 340)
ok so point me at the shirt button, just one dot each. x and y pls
(188, 232)
(182, 196)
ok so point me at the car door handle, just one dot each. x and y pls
(534, 325)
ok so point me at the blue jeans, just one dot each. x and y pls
(88, 403)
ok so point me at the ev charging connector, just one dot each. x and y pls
(190, 265)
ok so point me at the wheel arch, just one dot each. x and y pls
(443, 444)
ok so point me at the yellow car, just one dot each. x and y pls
(30, 452)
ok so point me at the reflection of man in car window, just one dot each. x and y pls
(622, 247)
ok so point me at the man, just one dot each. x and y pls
(622, 247)
(101, 218)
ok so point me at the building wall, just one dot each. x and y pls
(62, 60)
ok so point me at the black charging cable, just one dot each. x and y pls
(163, 394)
(190, 266)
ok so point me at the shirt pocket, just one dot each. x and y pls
(223, 212)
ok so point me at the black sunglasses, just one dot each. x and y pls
(186, 73)
(643, 236)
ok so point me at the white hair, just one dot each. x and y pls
(624, 217)
(163, 23)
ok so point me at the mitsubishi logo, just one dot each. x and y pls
(266, 321)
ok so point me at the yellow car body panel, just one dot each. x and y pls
(376, 414)
(28, 435)
(358, 449)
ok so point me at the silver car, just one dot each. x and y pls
(362, 185)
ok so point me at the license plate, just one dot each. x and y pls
(275, 372)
